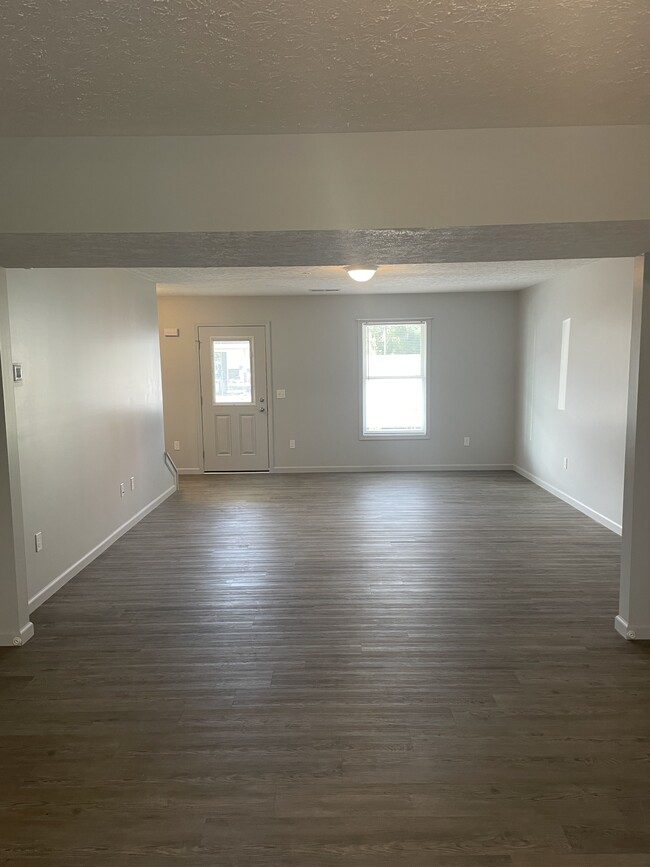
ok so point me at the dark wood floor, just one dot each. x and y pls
(315, 670)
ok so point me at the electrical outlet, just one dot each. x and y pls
(466, 441)
(132, 481)
(566, 463)
(122, 489)
(38, 541)
(177, 445)
(292, 444)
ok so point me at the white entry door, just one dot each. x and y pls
(234, 401)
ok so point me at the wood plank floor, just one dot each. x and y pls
(315, 670)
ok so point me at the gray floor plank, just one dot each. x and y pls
(365, 669)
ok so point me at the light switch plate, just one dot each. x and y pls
(280, 393)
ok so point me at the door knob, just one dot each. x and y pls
(262, 409)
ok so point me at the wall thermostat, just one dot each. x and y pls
(18, 372)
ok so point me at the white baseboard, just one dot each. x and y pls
(581, 507)
(11, 639)
(382, 468)
(51, 588)
(631, 633)
(189, 471)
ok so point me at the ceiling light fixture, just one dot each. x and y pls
(362, 273)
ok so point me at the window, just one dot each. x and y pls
(231, 368)
(394, 379)
(564, 363)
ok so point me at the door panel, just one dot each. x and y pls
(247, 425)
(223, 437)
(233, 397)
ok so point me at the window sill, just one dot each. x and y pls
(394, 436)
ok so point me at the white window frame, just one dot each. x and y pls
(361, 342)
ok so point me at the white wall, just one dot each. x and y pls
(315, 358)
(89, 412)
(342, 181)
(633, 620)
(590, 432)
(15, 626)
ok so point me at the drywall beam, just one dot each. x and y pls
(633, 620)
(15, 625)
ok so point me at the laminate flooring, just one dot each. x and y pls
(375, 670)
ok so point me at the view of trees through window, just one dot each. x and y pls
(395, 339)
(394, 378)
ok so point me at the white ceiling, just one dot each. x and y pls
(390, 279)
(194, 67)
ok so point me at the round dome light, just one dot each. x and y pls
(361, 274)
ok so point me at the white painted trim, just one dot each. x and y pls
(27, 632)
(270, 397)
(631, 633)
(199, 384)
(427, 321)
(49, 590)
(10, 639)
(567, 498)
(564, 364)
(417, 468)
(190, 471)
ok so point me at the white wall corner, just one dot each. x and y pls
(633, 621)
(631, 632)
(18, 638)
(612, 525)
(50, 589)
(15, 626)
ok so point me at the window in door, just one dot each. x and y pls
(232, 362)
(394, 379)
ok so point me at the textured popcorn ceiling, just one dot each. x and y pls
(445, 277)
(156, 67)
